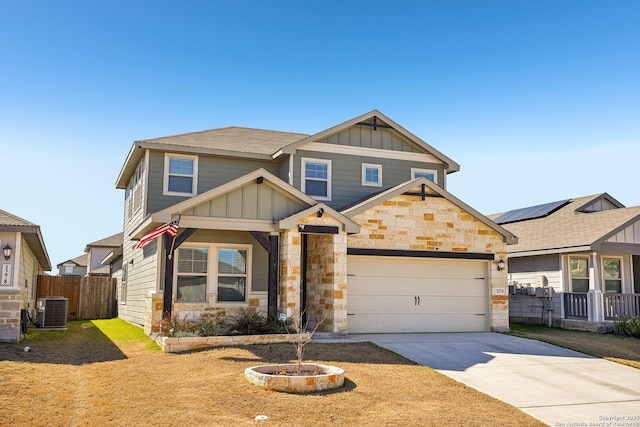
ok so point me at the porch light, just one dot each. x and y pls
(319, 213)
(7, 251)
(500, 264)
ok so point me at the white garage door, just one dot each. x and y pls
(392, 294)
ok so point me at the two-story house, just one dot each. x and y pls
(352, 225)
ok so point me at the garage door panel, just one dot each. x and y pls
(410, 323)
(382, 295)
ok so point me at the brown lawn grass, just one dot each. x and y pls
(106, 372)
(619, 349)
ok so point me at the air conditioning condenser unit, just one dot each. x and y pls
(52, 312)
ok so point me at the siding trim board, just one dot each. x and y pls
(419, 254)
(370, 152)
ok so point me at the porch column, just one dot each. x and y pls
(290, 259)
(595, 298)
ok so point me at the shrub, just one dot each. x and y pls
(246, 322)
(628, 326)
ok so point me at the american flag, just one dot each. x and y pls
(171, 228)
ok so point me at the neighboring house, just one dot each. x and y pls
(352, 225)
(97, 251)
(587, 249)
(73, 267)
(117, 270)
(23, 257)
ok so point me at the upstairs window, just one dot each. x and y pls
(316, 178)
(180, 175)
(612, 275)
(579, 274)
(431, 175)
(371, 175)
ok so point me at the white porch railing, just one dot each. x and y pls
(598, 306)
(617, 306)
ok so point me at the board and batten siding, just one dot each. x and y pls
(366, 137)
(212, 172)
(346, 174)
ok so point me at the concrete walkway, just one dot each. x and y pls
(558, 386)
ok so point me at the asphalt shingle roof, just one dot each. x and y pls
(9, 219)
(233, 139)
(567, 228)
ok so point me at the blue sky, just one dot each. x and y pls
(537, 100)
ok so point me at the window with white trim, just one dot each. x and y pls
(68, 268)
(316, 178)
(430, 174)
(223, 269)
(192, 278)
(371, 175)
(233, 274)
(612, 272)
(180, 175)
(579, 270)
(123, 283)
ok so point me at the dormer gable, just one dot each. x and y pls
(372, 133)
(603, 202)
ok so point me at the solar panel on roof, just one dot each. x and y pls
(531, 212)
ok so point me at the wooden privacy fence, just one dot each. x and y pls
(92, 297)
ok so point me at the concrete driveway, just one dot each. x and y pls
(559, 387)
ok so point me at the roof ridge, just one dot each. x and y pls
(198, 132)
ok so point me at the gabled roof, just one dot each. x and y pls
(108, 242)
(230, 141)
(172, 212)
(570, 229)
(383, 196)
(349, 225)
(80, 261)
(450, 165)
(31, 233)
(259, 143)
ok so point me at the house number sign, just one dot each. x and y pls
(5, 275)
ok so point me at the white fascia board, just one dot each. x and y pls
(550, 251)
(369, 152)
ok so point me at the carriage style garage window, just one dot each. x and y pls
(579, 274)
(611, 269)
(192, 275)
(180, 175)
(233, 273)
(371, 175)
(316, 178)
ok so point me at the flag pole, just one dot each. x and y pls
(173, 242)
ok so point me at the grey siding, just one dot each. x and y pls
(346, 174)
(366, 137)
(212, 172)
(535, 263)
(252, 201)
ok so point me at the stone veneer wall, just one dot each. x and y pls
(408, 223)
(327, 281)
(290, 258)
(10, 315)
(192, 311)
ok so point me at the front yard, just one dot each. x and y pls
(618, 349)
(107, 372)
